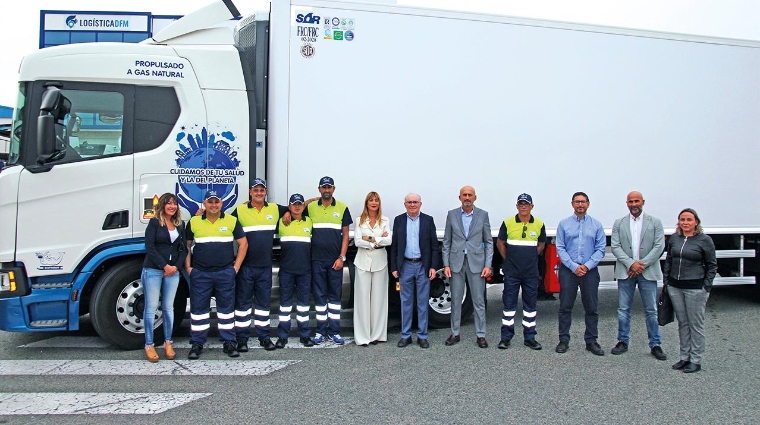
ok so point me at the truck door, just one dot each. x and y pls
(80, 196)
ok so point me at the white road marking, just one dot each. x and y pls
(144, 368)
(95, 342)
(93, 403)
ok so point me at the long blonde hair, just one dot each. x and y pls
(365, 212)
(161, 215)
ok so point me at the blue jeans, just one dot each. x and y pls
(155, 284)
(414, 281)
(648, 292)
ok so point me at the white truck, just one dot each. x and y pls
(380, 97)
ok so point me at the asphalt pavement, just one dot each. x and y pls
(461, 384)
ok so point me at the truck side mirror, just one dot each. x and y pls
(53, 109)
(45, 137)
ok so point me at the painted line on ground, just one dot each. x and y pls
(144, 368)
(95, 342)
(93, 403)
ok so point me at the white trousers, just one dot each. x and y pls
(371, 306)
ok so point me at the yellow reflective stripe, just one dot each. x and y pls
(306, 239)
(209, 239)
(259, 228)
(522, 243)
(336, 226)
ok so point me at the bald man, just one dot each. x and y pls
(467, 253)
(637, 243)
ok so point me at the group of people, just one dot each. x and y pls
(314, 237)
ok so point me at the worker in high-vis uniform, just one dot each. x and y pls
(521, 240)
(253, 285)
(212, 264)
(295, 272)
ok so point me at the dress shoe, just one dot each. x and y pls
(561, 347)
(595, 348)
(620, 348)
(532, 344)
(658, 354)
(281, 343)
(169, 350)
(403, 342)
(423, 343)
(150, 353)
(482, 343)
(452, 339)
(242, 345)
(307, 342)
(504, 344)
(374, 342)
(267, 344)
(692, 367)
(680, 365)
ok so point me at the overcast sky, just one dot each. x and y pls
(20, 24)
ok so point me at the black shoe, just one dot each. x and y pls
(691, 368)
(281, 343)
(532, 344)
(307, 342)
(374, 342)
(481, 341)
(452, 339)
(267, 344)
(620, 348)
(658, 354)
(562, 347)
(423, 343)
(504, 344)
(242, 345)
(595, 348)
(403, 342)
(195, 352)
(680, 365)
(230, 348)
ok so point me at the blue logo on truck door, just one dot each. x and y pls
(308, 18)
(206, 162)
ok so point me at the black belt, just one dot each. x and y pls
(413, 260)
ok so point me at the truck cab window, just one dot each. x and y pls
(93, 127)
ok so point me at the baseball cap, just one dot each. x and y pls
(296, 198)
(259, 181)
(326, 181)
(211, 194)
(525, 197)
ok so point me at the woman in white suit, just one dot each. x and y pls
(371, 236)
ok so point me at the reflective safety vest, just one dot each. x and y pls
(213, 242)
(259, 228)
(295, 246)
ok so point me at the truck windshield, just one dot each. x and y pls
(18, 126)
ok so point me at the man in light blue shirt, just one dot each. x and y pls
(580, 246)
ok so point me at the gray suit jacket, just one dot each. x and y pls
(652, 244)
(479, 244)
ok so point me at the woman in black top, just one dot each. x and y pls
(165, 254)
(690, 267)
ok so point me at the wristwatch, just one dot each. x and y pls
(342, 258)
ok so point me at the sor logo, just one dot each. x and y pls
(308, 18)
(71, 21)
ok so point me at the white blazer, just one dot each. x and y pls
(368, 257)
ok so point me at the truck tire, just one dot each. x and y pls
(117, 303)
(439, 310)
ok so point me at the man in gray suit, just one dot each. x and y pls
(637, 243)
(467, 251)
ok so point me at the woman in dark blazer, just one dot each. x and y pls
(165, 254)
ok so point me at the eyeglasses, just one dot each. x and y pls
(580, 202)
(412, 202)
(523, 204)
(525, 230)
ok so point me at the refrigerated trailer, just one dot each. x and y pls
(381, 98)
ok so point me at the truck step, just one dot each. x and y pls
(49, 323)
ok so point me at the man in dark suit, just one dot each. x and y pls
(414, 260)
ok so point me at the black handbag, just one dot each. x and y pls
(665, 313)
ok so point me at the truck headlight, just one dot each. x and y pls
(8, 281)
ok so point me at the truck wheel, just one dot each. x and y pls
(439, 313)
(117, 305)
